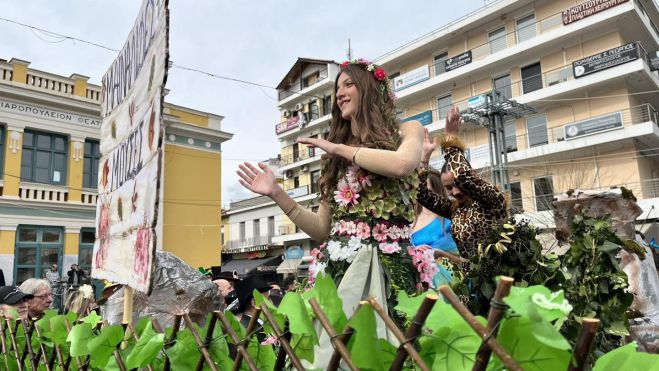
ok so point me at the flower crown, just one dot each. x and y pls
(378, 72)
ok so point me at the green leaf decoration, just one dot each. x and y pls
(78, 337)
(141, 325)
(324, 291)
(279, 318)
(146, 349)
(184, 350)
(58, 332)
(442, 314)
(544, 332)
(293, 307)
(218, 347)
(516, 336)
(263, 355)
(303, 345)
(364, 345)
(103, 345)
(241, 332)
(93, 318)
(538, 300)
(450, 348)
(627, 358)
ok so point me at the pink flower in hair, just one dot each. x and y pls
(379, 74)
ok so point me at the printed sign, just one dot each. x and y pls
(413, 77)
(51, 114)
(594, 125)
(298, 192)
(131, 153)
(476, 102)
(654, 64)
(289, 124)
(458, 61)
(588, 8)
(294, 252)
(606, 59)
(425, 118)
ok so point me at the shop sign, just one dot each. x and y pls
(588, 8)
(594, 125)
(298, 192)
(287, 125)
(606, 59)
(476, 102)
(411, 78)
(294, 252)
(458, 61)
(132, 94)
(425, 118)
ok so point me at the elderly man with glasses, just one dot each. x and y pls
(42, 296)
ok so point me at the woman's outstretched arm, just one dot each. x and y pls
(262, 180)
(396, 164)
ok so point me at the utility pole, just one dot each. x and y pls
(490, 110)
(349, 51)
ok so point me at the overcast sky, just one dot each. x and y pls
(250, 40)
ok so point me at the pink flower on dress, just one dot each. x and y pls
(363, 230)
(351, 228)
(342, 227)
(365, 181)
(389, 248)
(394, 232)
(316, 254)
(380, 232)
(345, 194)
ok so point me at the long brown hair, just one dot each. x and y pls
(435, 179)
(376, 125)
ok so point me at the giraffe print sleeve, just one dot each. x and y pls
(431, 200)
(468, 180)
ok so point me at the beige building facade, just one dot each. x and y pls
(583, 67)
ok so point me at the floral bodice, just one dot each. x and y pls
(369, 209)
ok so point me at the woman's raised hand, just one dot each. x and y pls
(453, 121)
(429, 145)
(261, 181)
(327, 146)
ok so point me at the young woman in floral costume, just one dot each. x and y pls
(367, 192)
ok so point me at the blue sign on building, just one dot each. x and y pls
(425, 118)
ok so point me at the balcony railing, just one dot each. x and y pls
(302, 155)
(89, 197)
(49, 82)
(631, 116)
(249, 242)
(298, 86)
(5, 72)
(287, 229)
(42, 192)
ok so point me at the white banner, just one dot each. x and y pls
(131, 149)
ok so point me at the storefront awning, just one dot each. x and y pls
(244, 266)
(289, 266)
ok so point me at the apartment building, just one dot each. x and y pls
(49, 155)
(584, 69)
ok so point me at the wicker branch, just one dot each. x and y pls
(482, 331)
(282, 340)
(239, 345)
(250, 328)
(415, 329)
(497, 310)
(339, 346)
(589, 327)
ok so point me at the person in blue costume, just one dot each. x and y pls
(434, 231)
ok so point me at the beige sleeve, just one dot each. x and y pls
(399, 163)
(316, 225)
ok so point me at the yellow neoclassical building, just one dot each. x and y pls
(49, 154)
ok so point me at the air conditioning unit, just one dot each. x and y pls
(304, 168)
(299, 107)
(286, 113)
(289, 173)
